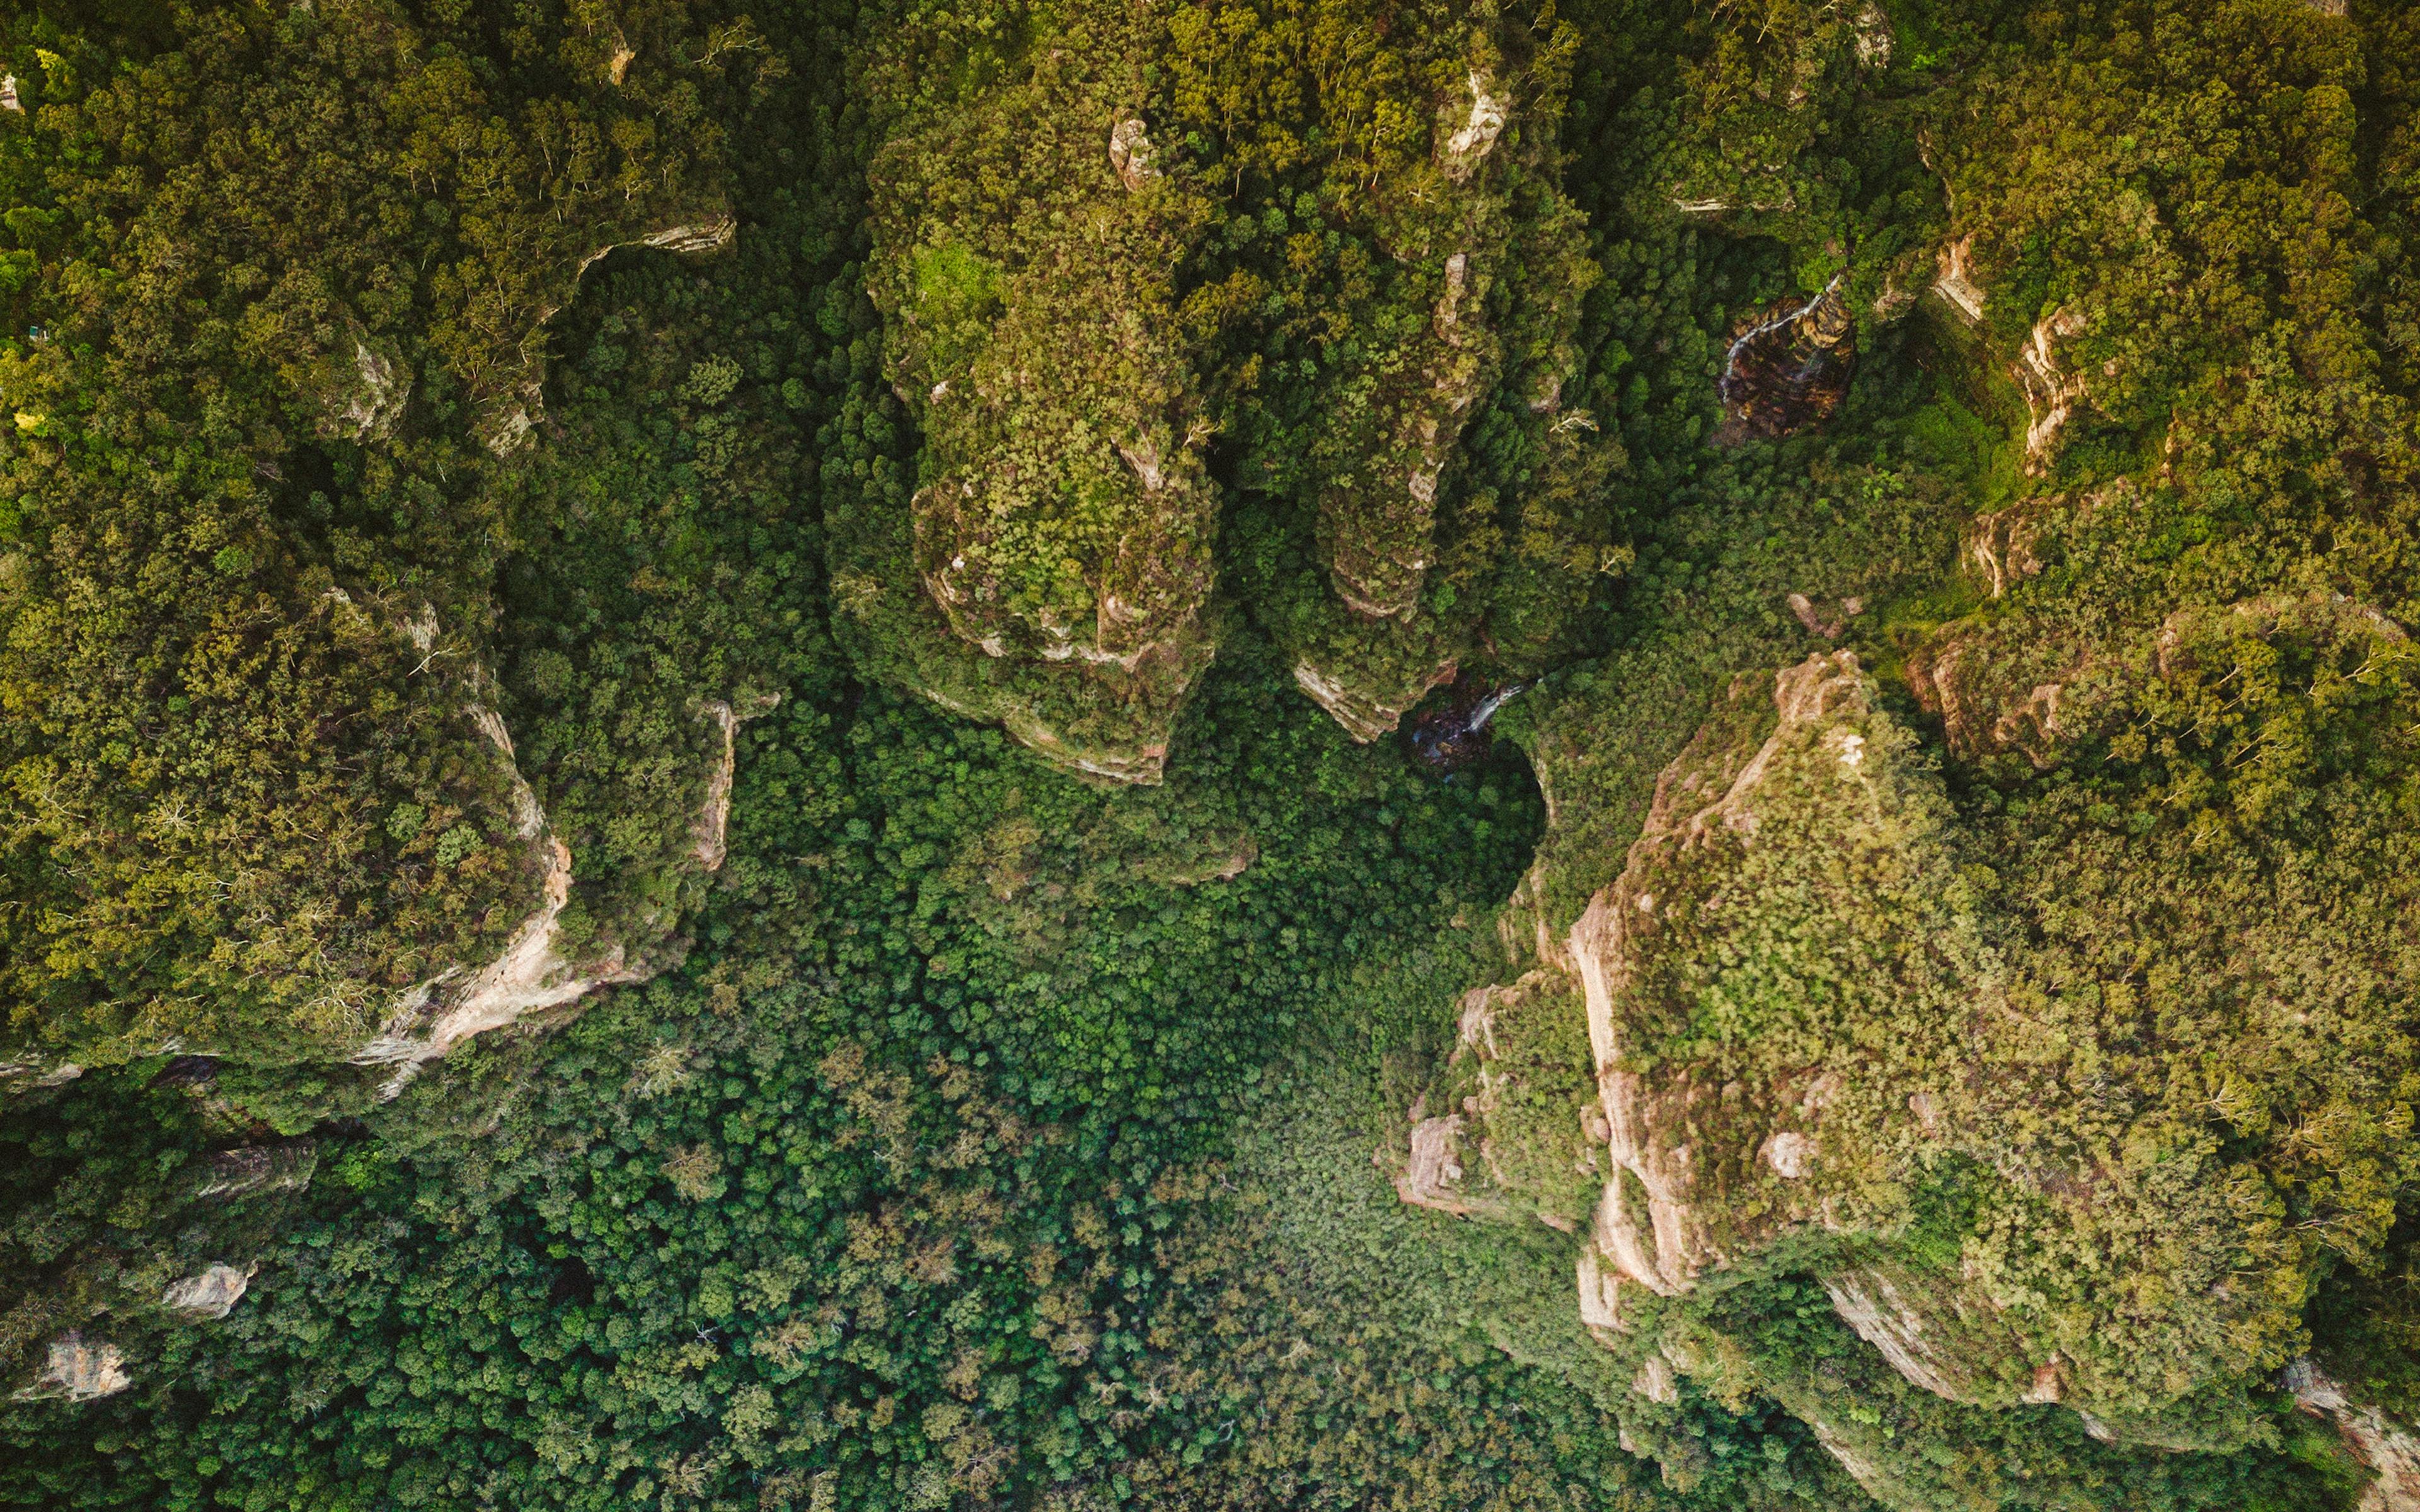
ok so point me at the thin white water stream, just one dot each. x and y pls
(1731, 358)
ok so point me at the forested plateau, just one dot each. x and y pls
(1622, 755)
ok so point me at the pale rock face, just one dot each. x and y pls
(1873, 36)
(212, 1294)
(1476, 137)
(1130, 155)
(1789, 1153)
(1429, 1179)
(1829, 628)
(714, 820)
(1870, 1302)
(1650, 1219)
(2390, 1448)
(1144, 766)
(2051, 391)
(2003, 545)
(1365, 715)
(2052, 388)
(80, 1371)
(1600, 1292)
(508, 426)
(532, 974)
(8, 100)
(694, 239)
(368, 408)
(1955, 281)
(529, 976)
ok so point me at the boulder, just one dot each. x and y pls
(214, 1293)
(80, 1370)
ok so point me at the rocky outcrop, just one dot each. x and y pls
(1460, 149)
(2053, 389)
(1056, 560)
(1823, 1011)
(1830, 626)
(2389, 1447)
(1130, 154)
(1365, 714)
(8, 100)
(537, 970)
(1520, 1136)
(1377, 520)
(80, 1370)
(1939, 1335)
(1954, 281)
(212, 1294)
(508, 419)
(373, 407)
(1660, 1220)
(1431, 1178)
(2004, 545)
(2000, 687)
(1873, 36)
(36, 1072)
(282, 1167)
(531, 973)
(714, 818)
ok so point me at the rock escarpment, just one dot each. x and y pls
(1053, 561)
(2389, 1448)
(538, 967)
(1049, 567)
(1834, 1028)
(1483, 278)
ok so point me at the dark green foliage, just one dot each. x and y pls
(984, 1137)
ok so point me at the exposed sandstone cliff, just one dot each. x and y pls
(213, 1293)
(1483, 270)
(1790, 992)
(1366, 712)
(533, 972)
(1052, 567)
(511, 415)
(2390, 1448)
(538, 968)
(79, 1370)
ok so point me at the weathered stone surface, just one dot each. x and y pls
(1999, 688)
(1954, 281)
(1365, 714)
(1461, 150)
(1130, 154)
(365, 394)
(714, 819)
(2391, 1448)
(283, 1167)
(214, 1293)
(534, 972)
(2052, 388)
(80, 1370)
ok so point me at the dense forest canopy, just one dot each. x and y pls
(1243, 753)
